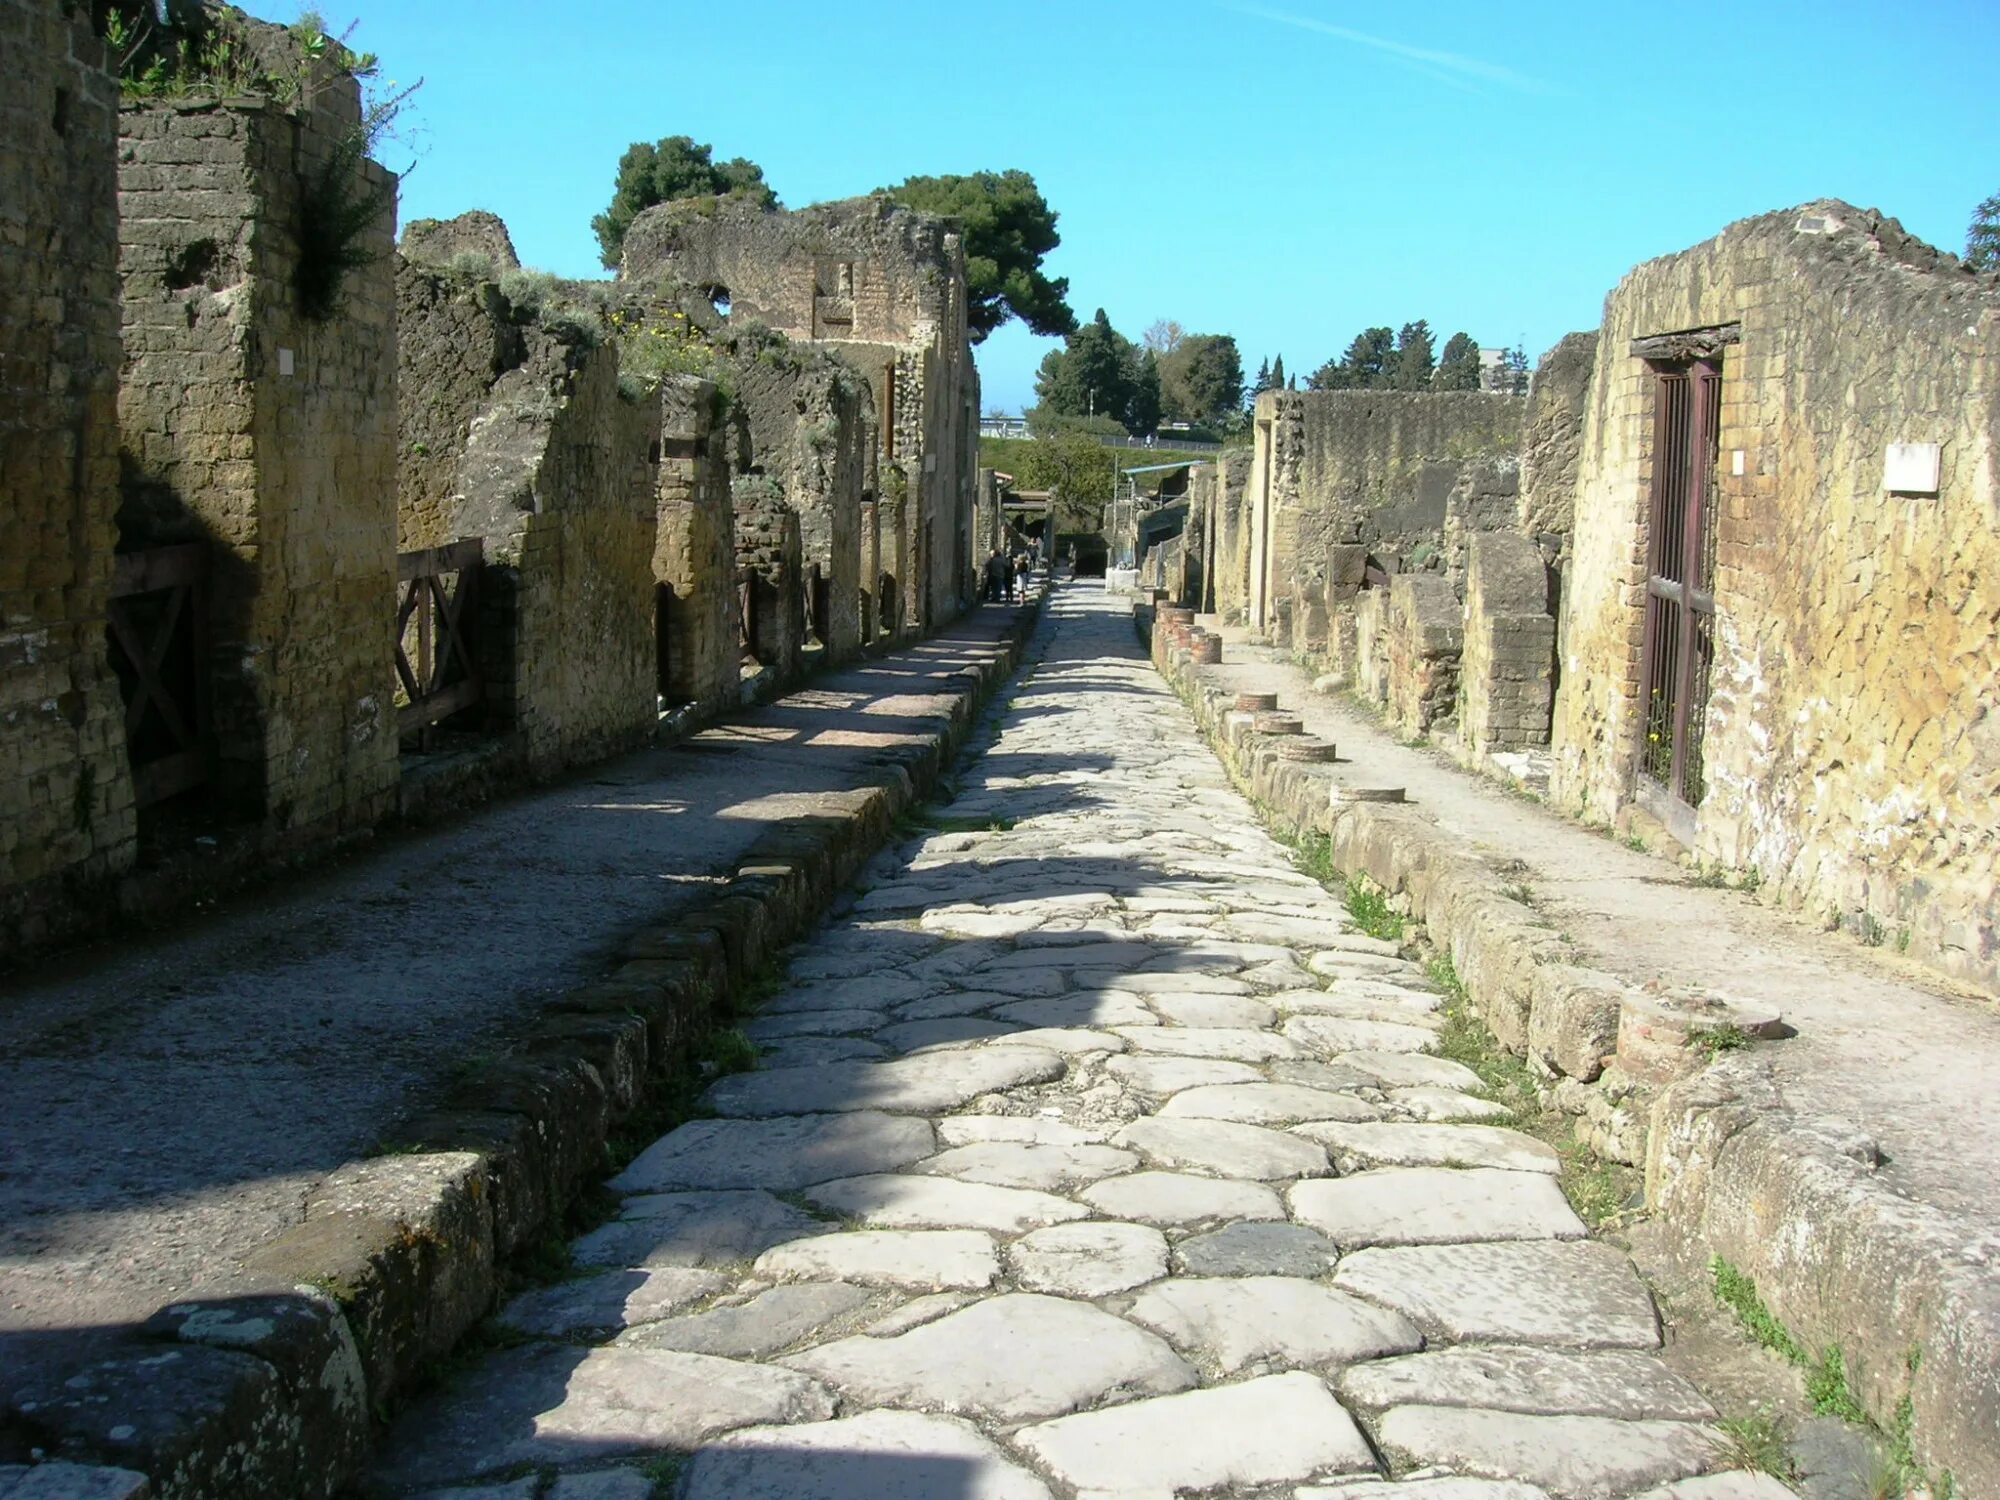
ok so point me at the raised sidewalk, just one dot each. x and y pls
(384, 1078)
(1853, 1168)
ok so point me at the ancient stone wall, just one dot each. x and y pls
(1850, 743)
(767, 571)
(1226, 482)
(269, 436)
(66, 800)
(694, 554)
(1373, 467)
(514, 431)
(809, 422)
(1552, 440)
(885, 287)
(1506, 675)
(548, 481)
(1426, 637)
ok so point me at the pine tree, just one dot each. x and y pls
(1278, 381)
(1411, 368)
(1458, 366)
(1982, 236)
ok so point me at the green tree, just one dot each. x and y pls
(1365, 365)
(1142, 403)
(1278, 373)
(1091, 376)
(1458, 366)
(1410, 370)
(1203, 378)
(1982, 236)
(1008, 227)
(676, 167)
(1512, 379)
(1067, 458)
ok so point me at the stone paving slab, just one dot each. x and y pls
(1278, 1321)
(1243, 1152)
(1436, 1206)
(881, 1455)
(1566, 1295)
(780, 1155)
(1284, 1427)
(917, 1259)
(1547, 1382)
(1571, 1457)
(1012, 1358)
(554, 1403)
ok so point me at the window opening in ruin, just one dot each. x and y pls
(1679, 636)
(158, 631)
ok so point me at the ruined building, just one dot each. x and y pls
(305, 531)
(1726, 575)
(882, 287)
(1781, 634)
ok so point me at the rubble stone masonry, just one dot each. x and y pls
(1852, 733)
(66, 807)
(269, 436)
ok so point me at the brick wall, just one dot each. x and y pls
(1507, 670)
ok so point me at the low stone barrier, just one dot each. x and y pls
(273, 1389)
(1839, 1256)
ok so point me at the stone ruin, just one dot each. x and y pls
(1724, 579)
(303, 548)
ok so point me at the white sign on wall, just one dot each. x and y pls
(1911, 469)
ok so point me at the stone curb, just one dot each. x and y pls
(1838, 1256)
(274, 1388)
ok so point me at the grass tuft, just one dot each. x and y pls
(1758, 1442)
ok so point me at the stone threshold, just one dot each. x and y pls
(276, 1387)
(1910, 1294)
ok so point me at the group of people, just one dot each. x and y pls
(1007, 576)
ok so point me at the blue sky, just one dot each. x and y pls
(1288, 172)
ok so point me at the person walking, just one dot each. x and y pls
(996, 577)
(1020, 577)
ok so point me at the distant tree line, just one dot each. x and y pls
(1381, 359)
(1170, 375)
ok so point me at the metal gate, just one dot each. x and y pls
(1680, 601)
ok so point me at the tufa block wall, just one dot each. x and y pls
(768, 571)
(1373, 467)
(269, 436)
(1851, 741)
(1510, 637)
(1552, 440)
(66, 806)
(556, 478)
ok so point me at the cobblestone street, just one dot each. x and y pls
(1092, 1151)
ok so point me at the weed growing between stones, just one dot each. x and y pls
(1826, 1388)
(1758, 1442)
(1598, 1190)
(1519, 891)
(1728, 1037)
(1826, 1380)
(1370, 908)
